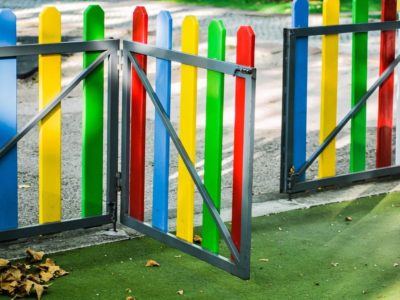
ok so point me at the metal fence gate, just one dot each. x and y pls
(239, 261)
(293, 179)
(108, 52)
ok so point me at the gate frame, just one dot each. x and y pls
(289, 178)
(239, 265)
(109, 49)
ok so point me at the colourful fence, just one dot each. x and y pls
(187, 128)
(329, 89)
(50, 127)
(50, 130)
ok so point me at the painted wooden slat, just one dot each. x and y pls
(8, 124)
(50, 127)
(398, 94)
(161, 136)
(300, 19)
(359, 88)
(329, 85)
(187, 130)
(244, 56)
(138, 119)
(92, 124)
(385, 106)
(213, 134)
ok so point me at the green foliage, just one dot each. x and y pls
(274, 6)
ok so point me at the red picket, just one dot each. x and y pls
(385, 110)
(244, 56)
(138, 120)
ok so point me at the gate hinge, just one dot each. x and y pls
(118, 181)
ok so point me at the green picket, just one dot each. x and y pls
(92, 124)
(213, 134)
(359, 88)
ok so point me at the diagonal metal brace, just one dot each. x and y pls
(53, 104)
(382, 78)
(185, 157)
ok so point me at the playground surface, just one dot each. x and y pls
(302, 254)
(268, 31)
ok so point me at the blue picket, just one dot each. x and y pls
(8, 124)
(161, 137)
(300, 19)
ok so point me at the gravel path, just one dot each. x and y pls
(268, 107)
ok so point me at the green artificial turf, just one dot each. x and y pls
(275, 6)
(312, 254)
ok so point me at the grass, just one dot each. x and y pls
(313, 254)
(274, 7)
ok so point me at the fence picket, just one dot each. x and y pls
(244, 56)
(359, 88)
(385, 106)
(300, 19)
(187, 131)
(50, 127)
(329, 85)
(92, 124)
(214, 134)
(161, 136)
(138, 119)
(8, 124)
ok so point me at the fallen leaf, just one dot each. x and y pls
(349, 219)
(28, 284)
(48, 263)
(39, 289)
(34, 256)
(180, 292)
(264, 259)
(334, 264)
(197, 239)
(45, 276)
(9, 286)
(152, 263)
(130, 298)
(4, 263)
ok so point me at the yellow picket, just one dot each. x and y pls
(329, 85)
(50, 127)
(187, 130)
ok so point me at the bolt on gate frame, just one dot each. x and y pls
(290, 181)
(239, 263)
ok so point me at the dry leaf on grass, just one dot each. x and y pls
(152, 263)
(45, 276)
(21, 280)
(34, 256)
(180, 292)
(197, 239)
(130, 298)
(4, 263)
